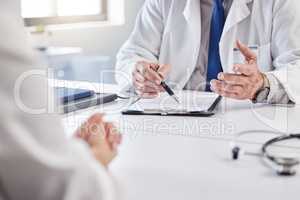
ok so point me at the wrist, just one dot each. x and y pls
(262, 82)
(101, 156)
(263, 91)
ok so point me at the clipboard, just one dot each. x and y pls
(205, 113)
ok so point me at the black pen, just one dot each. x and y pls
(167, 88)
(170, 91)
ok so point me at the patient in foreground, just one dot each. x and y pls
(37, 161)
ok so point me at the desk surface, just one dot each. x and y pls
(189, 158)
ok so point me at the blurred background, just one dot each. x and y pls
(80, 38)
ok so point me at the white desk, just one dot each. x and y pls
(177, 158)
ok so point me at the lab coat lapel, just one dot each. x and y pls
(192, 12)
(238, 12)
(192, 15)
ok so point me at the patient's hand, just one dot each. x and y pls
(147, 78)
(102, 137)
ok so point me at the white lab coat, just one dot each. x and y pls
(169, 32)
(37, 161)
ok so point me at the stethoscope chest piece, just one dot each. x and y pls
(286, 171)
(284, 166)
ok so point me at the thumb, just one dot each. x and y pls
(164, 70)
(246, 51)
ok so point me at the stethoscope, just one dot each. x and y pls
(283, 166)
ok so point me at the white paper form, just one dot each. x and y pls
(189, 101)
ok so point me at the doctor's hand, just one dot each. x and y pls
(147, 78)
(103, 138)
(247, 81)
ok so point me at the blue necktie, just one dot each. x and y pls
(214, 66)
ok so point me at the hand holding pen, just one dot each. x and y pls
(148, 79)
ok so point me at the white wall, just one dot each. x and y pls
(99, 40)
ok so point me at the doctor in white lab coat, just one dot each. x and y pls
(37, 161)
(169, 35)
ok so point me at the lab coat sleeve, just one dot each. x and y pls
(144, 42)
(277, 94)
(37, 161)
(285, 47)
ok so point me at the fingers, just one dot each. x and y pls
(164, 70)
(147, 87)
(95, 125)
(152, 76)
(89, 127)
(152, 72)
(246, 51)
(234, 79)
(245, 69)
(151, 85)
(154, 66)
(92, 131)
(227, 90)
(103, 138)
(147, 70)
(114, 137)
(228, 87)
(101, 133)
(219, 88)
(143, 85)
(138, 76)
(96, 119)
(147, 78)
(231, 85)
(148, 95)
(140, 67)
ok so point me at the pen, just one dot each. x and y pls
(214, 104)
(167, 88)
(169, 91)
(135, 101)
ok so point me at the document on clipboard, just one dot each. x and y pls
(191, 104)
